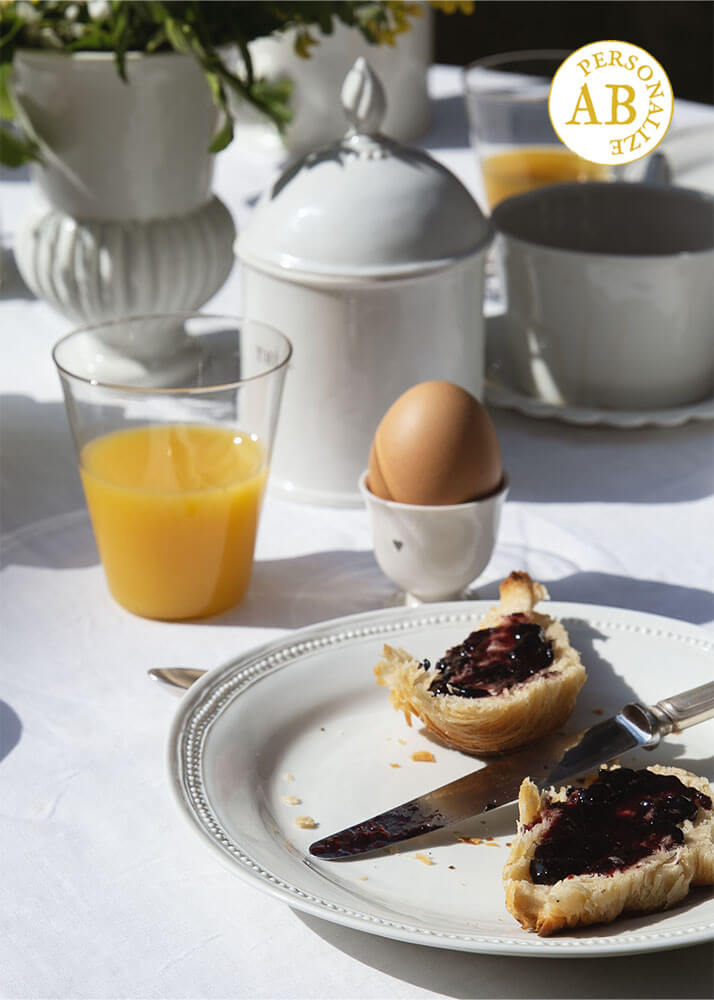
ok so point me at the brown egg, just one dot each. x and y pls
(435, 445)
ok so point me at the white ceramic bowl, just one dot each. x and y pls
(610, 294)
(433, 553)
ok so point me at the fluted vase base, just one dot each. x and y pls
(93, 270)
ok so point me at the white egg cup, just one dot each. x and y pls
(433, 553)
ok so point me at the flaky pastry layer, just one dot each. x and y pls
(512, 718)
(657, 882)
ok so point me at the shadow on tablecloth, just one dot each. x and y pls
(10, 729)
(458, 974)
(39, 466)
(553, 462)
(292, 593)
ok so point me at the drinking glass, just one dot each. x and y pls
(511, 133)
(173, 418)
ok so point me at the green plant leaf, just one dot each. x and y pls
(7, 111)
(200, 28)
(222, 138)
(14, 151)
(175, 35)
(275, 96)
(8, 35)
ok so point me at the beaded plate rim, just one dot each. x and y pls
(208, 698)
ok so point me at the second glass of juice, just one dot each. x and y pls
(173, 418)
(515, 144)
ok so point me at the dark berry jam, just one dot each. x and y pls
(380, 831)
(491, 660)
(622, 817)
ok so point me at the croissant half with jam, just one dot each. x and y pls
(631, 841)
(512, 680)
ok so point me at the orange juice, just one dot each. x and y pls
(175, 510)
(515, 171)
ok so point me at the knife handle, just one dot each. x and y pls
(684, 710)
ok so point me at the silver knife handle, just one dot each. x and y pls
(686, 709)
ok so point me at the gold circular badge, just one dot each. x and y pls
(611, 102)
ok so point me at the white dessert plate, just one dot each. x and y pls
(303, 719)
(501, 392)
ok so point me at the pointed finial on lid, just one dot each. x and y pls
(363, 99)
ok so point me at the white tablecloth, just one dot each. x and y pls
(104, 890)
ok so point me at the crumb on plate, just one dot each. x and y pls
(291, 800)
(426, 755)
(424, 858)
(305, 822)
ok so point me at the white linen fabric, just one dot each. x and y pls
(104, 891)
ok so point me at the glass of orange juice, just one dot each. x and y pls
(173, 418)
(511, 133)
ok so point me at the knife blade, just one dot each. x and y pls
(634, 726)
(563, 757)
(493, 785)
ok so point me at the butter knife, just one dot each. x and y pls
(554, 760)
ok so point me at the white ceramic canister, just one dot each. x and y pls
(370, 256)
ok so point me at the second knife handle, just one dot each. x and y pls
(688, 708)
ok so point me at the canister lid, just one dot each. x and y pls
(365, 207)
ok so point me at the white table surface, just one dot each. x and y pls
(104, 890)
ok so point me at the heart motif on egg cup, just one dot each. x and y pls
(441, 549)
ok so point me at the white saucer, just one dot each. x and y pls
(501, 394)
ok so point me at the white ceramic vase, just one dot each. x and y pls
(317, 115)
(124, 221)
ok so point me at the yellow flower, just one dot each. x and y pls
(401, 12)
(454, 6)
(304, 42)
